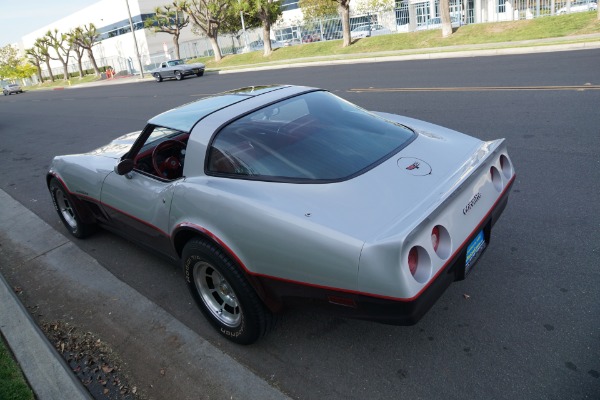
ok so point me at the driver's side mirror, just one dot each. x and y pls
(124, 166)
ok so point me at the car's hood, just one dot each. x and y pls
(118, 147)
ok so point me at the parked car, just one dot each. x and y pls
(272, 195)
(436, 23)
(11, 88)
(579, 6)
(310, 37)
(368, 30)
(177, 69)
(333, 35)
(260, 45)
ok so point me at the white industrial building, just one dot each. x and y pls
(116, 47)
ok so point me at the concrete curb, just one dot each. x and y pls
(142, 333)
(435, 54)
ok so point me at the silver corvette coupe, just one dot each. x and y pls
(272, 195)
(177, 69)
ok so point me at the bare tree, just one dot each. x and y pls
(77, 49)
(207, 17)
(61, 45)
(86, 37)
(44, 51)
(36, 59)
(169, 19)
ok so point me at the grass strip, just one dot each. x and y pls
(13, 385)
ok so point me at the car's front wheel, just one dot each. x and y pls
(66, 208)
(200, 73)
(158, 78)
(178, 75)
(223, 293)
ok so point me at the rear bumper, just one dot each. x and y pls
(384, 310)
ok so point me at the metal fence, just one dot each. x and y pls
(121, 65)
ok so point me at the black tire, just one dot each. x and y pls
(158, 78)
(178, 75)
(200, 73)
(66, 207)
(223, 293)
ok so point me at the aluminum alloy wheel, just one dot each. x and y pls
(217, 294)
(65, 208)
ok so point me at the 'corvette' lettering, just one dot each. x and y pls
(471, 203)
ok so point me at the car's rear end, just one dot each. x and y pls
(450, 201)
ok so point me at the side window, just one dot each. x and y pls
(163, 153)
(163, 65)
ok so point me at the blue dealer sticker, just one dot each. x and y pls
(474, 250)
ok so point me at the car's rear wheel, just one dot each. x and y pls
(200, 73)
(178, 75)
(66, 208)
(223, 293)
(158, 78)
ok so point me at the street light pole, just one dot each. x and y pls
(243, 25)
(137, 51)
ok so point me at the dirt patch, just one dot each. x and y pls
(92, 361)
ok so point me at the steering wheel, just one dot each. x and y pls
(171, 166)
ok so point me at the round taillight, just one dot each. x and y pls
(413, 260)
(496, 178)
(435, 238)
(505, 166)
(441, 242)
(419, 264)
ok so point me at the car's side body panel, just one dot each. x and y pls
(83, 174)
(269, 240)
(140, 205)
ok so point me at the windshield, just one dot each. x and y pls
(312, 137)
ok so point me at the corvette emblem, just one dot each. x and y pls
(471, 203)
(414, 166)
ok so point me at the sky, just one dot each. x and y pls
(18, 19)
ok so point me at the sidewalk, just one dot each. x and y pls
(167, 359)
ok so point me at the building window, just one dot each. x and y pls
(402, 12)
(422, 10)
(501, 6)
(287, 5)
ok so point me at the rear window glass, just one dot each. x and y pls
(312, 137)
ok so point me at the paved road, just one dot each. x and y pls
(530, 327)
